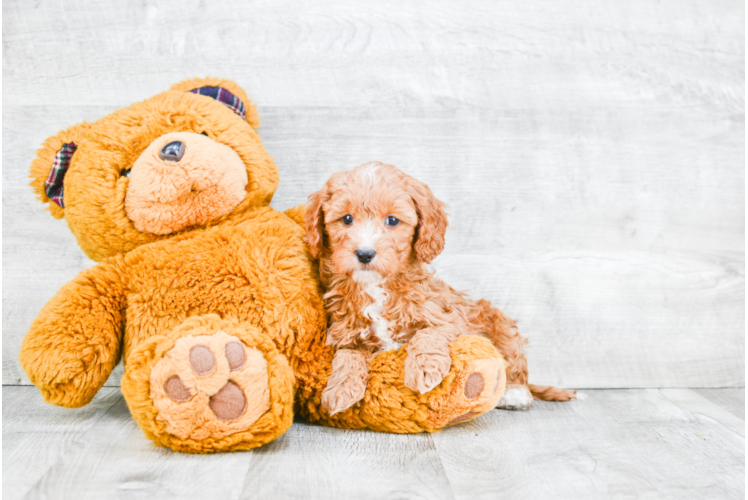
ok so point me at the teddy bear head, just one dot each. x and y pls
(184, 159)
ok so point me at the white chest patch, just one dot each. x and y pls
(380, 327)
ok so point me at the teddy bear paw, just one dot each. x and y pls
(476, 389)
(210, 386)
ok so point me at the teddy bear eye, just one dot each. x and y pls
(347, 220)
(391, 221)
(125, 173)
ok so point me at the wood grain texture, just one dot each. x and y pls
(114, 458)
(592, 152)
(648, 443)
(36, 435)
(615, 444)
(732, 400)
(314, 462)
(508, 55)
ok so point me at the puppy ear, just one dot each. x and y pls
(226, 92)
(315, 221)
(51, 164)
(432, 220)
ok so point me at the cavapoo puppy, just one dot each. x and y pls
(373, 229)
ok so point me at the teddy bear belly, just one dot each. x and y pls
(247, 273)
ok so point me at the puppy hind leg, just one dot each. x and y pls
(503, 333)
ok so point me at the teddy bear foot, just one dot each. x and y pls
(213, 386)
(476, 389)
(210, 386)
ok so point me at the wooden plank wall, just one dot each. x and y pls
(592, 152)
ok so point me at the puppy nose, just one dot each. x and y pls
(365, 256)
(174, 151)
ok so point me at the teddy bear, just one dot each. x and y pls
(208, 295)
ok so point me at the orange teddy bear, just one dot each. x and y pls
(209, 294)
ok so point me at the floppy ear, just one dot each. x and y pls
(51, 164)
(315, 220)
(224, 91)
(432, 220)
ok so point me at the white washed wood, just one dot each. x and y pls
(617, 443)
(661, 444)
(114, 458)
(37, 435)
(732, 400)
(313, 462)
(592, 153)
(564, 54)
(610, 294)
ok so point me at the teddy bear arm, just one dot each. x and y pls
(75, 341)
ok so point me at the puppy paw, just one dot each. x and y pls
(340, 397)
(424, 371)
(516, 397)
(347, 383)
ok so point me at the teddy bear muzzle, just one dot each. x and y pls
(184, 179)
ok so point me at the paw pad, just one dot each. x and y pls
(474, 385)
(228, 403)
(235, 355)
(175, 389)
(202, 360)
(476, 389)
(210, 385)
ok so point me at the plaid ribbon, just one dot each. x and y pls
(220, 94)
(53, 186)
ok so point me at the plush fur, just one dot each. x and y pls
(393, 300)
(210, 296)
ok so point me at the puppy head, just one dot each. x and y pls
(375, 218)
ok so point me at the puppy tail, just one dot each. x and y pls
(550, 393)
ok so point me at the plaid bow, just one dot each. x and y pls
(53, 186)
(222, 95)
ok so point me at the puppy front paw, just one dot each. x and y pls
(347, 383)
(341, 396)
(425, 371)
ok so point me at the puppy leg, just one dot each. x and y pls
(347, 383)
(428, 360)
(503, 333)
(516, 397)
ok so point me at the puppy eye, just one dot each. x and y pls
(391, 221)
(347, 220)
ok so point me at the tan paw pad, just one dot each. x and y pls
(210, 386)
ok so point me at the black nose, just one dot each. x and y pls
(365, 256)
(174, 151)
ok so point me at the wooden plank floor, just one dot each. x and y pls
(640, 443)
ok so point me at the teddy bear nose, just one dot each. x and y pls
(172, 151)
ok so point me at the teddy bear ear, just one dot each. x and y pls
(226, 92)
(51, 164)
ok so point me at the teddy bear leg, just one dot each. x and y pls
(209, 385)
(475, 383)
